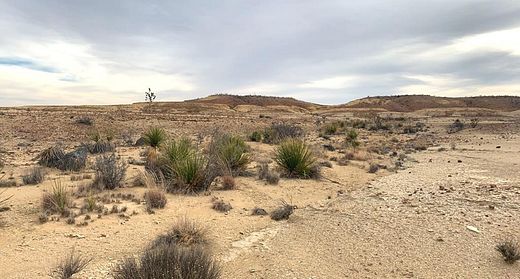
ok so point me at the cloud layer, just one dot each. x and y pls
(105, 52)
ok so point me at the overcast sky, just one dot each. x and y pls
(329, 52)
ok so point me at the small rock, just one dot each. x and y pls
(473, 229)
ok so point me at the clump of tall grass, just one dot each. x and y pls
(51, 157)
(279, 132)
(296, 159)
(70, 265)
(231, 152)
(351, 139)
(33, 176)
(58, 200)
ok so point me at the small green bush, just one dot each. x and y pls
(351, 139)
(296, 159)
(232, 154)
(255, 136)
(154, 137)
(280, 132)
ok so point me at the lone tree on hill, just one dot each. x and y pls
(149, 96)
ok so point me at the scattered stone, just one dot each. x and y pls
(473, 229)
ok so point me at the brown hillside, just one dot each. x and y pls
(253, 100)
(409, 103)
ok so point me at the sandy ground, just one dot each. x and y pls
(412, 223)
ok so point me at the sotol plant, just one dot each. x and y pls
(296, 159)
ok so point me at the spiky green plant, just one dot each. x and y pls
(177, 150)
(295, 158)
(232, 154)
(155, 137)
(190, 172)
(351, 139)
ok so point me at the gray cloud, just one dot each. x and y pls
(269, 47)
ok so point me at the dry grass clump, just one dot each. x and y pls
(283, 212)
(55, 157)
(58, 200)
(296, 159)
(280, 132)
(228, 182)
(170, 262)
(100, 145)
(34, 176)
(155, 198)
(264, 173)
(220, 205)
(510, 250)
(70, 265)
(184, 233)
(109, 172)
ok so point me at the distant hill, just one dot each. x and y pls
(253, 100)
(409, 103)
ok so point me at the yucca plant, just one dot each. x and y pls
(190, 173)
(351, 139)
(232, 154)
(177, 150)
(57, 200)
(155, 137)
(51, 157)
(295, 158)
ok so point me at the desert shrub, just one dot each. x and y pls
(283, 212)
(379, 124)
(359, 124)
(173, 153)
(85, 120)
(264, 173)
(256, 136)
(90, 203)
(228, 182)
(109, 172)
(43, 218)
(473, 123)
(34, 176)
(73, 161)
(231, 152)
(220, 205)
(51, 157)
(154, 137)
(100, 145)
(351, 139)
(373, 168)
(456, 126)
(510, 250)
(184, 232)
(70, 265)
(170, 262)
(295, 158)
(257, 211)
(279, 132)
(58, 200)
(155, 198)
(330, 129)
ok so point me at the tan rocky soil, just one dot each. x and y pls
(412, 223)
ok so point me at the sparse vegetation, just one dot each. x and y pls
(34, 176)
(70, 265)
(256, 136)
(257, 211)
(220, 205)
(352, 139)
(51, 157)
(228, 182)
(154, 137)
(283, 212)
(170, 262)
(280, 132)
(58, 200)
(456, 126)
(109, 172)
(264, 173)
(510, 250)
(296, 159)
(231, 152)
(100, 145)
(184, 233)
(155, 198)
(85, 120)
(373, 168)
